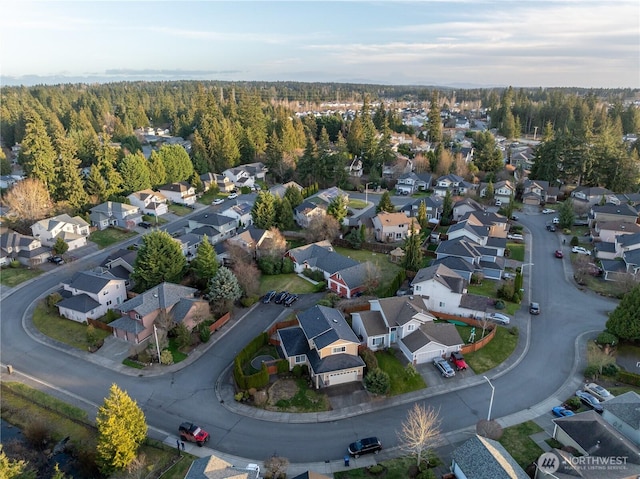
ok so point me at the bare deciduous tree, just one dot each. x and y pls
(372, 277)
(275, 245)
(489, 429)
(248, 276)
(420, 431)
(276, 467)
(29, 201)
(597, 357)
(322, 228)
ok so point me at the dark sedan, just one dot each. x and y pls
(365, 446)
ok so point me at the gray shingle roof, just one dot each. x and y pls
(294, 342)
(626, 407)
(475, 302)
(442, 333)
(443, 275)
(400, 310)
(611, 209)
(89, 282)
(455, 263)
(325, 326)
(213, 467)
(322, 256)
(354, 276)
(212, 219)
(334, 362)
(373, 323)
(163, 296)
(482, 458)
(82, 303)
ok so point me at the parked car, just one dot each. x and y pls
(192, 433)
(365, 446)
(560, 411)
(590, 400)
(280, 297)
(443, 367)
(580, 250)
(499, 318)
(268, 297)
(600, 393)
(514, 218)
(292, 298)
(534, 308)
(458, 361)
(548, 211)
(233, 196)
(517, 237)
(556, 221)
(551, 227)
(498, 203)
(218, 201)
(144, 224)
(55, 260)
(559, 254)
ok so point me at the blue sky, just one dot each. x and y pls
(462, 43)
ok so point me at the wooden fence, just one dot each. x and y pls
(219, 323)
(271, 332)
(468, 348)
(99, 324)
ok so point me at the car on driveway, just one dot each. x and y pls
(548, 211)
(499, 318)
(233, 196)
(580, 250)
(268, 297)
(560, 411)
(534, 308)
(217, 201)
(280, 297)
(600, 393)
(145, 225)
(551, 227)
(590, 400)
(458, 361)
(515, 237)
(443, 368)
(292, 298)
(559, 254)
(192, 433)
(365, 446)
(55, 260)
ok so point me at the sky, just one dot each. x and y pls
(456, 43)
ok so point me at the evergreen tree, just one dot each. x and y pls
(106, 163)
(284, 215)
(413, 256)
(224, 289)
(15, 469)
(121, 429)
(487, 156)
(434, 122)
(566, 216)
(60, 246)
(205, 264)
(95, 185)
(447, 209)
(159, 259)
(422, 215)
(490, 191)
(385, 205)
(275, 157)
(624, 321)
(157, 171)
(294, 196)
(37, 155)
(338, 208)
(134, 170)
(306, 163)
(177, 163)
(5, 164)
(68, 185)
(263, 211)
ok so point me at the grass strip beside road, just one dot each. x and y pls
(14, 276)
(61, 329)
(495, 352)
(517, 441)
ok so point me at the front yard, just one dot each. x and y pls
(517, 441)
(14, 276)
(179, 209)
(495, 352)
(402, 381)
(110, 236)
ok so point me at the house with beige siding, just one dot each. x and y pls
(326, 344)
(150, 202)
(88, 295)
(392, 227)
(181, 193)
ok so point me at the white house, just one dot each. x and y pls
(623, 413)
(73, 231)
(89, 295)
(150, 202)
(241, 212)
(181, 193)
(111, 213)
(26, 249)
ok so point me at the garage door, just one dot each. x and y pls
(427, 357)
(340, 378)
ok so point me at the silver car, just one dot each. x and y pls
(443, 367)
(499, 318)
(598, 391)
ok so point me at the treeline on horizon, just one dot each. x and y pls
(62, 128)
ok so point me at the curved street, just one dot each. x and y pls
(542, 364)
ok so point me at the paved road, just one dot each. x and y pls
(191, 394)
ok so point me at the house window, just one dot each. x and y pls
(339, 350)
(105, 293)
(441, 304)
(108, 302)
(378, 341)
(398, 235)
(301, 358)
(411, 327)
(137, 316)
(417, 288)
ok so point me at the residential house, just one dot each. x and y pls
(593, 195)
(326, 344)
(251, 240)
(150, 202)
(311, 475)
(319, 256)
(455, 184)
(485, 259)
(189, 244)
(392, 227)
(398, 167)
(355, 168)
(623, 413)
(325, 197)
(120, 264)
(619, 213)
(592, 436)
(352, 280)
(73, 231)
(140, 312)
(464, 206)
(181, 193)
(241, 212)
(606, 231)
(307, 211)
(405, 321)
(281, 189)
(111, 213)
(214, 180)
(216, 227)
(433, 206)
(535, 192)
(246, 175)
(25, 249)
(485, 229)
(212, 467)
(88, 295)
(498, 224)
(483, 458)
(522, 156)
(7, 181)
(502, 190)
(464, 268)
(409, 183)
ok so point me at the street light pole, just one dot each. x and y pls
(493, 390)
(155, 333)
(366, 192)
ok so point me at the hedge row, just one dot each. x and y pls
(259, 379)
(629, 378)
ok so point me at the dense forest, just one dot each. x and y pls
(64, 128)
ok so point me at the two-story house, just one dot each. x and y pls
(464, 206)
(280, 189)
(433, 207)
(150, 202)
(181, 193)
(246, 175)
(251, 240)
(216, 227)
(25, 249)
(405, 321)
(111, 213)
(241, 212)
(392, 227)
(623, 413)
(214, 180)
(120, 264)
(502, 190)
(73, 231)
(485, 259)
(452, 183)
(593, 195)
(409, 183)
(307, 211)
(326, 344)
(88, 295)
(534, 192)
(622, 213)
(140, 312)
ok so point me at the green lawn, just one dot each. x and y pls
(209, 196)
(388, 269)
(495, 352)
(14, 276)
(401, 382)
(179, 210)
(154, 220)
(489, 288)
(517, 251)
(110, 236)
(517, 442)
(289, 282)
(357, 204)
(397, 468)
(64, 330)
(175, 351)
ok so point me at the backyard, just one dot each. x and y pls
(388, 270)
(13, 276)
(493, 353)
(110, 236)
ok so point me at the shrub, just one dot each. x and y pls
(610, 369)
(182, 335)
(369, 359)
(377, 381)
(166, 357)
(591, 371)
(411, 371)
(607, 338)
(14, 264)
(53, 299)
(287, 266)
(92, 335)
(506, 291)
(499, 304)
(110, 316)
(248, 301)
(238, 396)
(269, 265)
(297, 371)
(37, 433)
(574, 241)
(574, 403)
(314, 275)
(629, 378)
(204, 332)
(283, 366)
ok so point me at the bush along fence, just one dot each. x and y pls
(260, 379)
